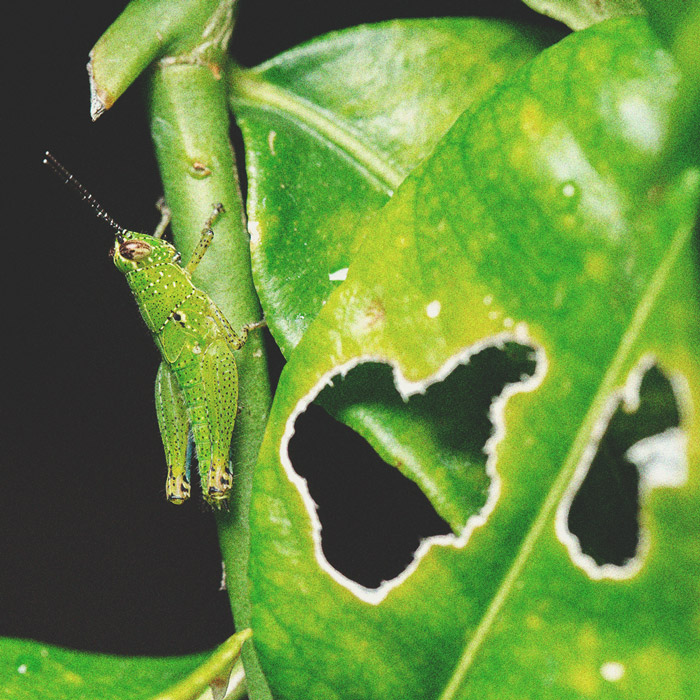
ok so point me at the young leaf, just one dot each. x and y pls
(35, 671)
(534, 221)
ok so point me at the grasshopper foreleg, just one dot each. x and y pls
(165, 216)
(205, 240)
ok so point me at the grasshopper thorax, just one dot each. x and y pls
(133, 250)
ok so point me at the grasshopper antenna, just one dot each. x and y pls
(82, 191)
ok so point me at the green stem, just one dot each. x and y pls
(189, 124)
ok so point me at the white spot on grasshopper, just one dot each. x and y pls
(338, 275)
(272, 135)
(407, 388)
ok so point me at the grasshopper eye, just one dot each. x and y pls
(135, 250)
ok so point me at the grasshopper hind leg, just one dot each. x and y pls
(174, 430)
(220, 385)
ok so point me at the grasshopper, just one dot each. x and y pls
(197, 381)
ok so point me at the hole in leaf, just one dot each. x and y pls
(372, 516)
(604, 513)
(363, 502)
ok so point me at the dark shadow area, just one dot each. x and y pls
(373, 517)
(288, 24)
(604, 514)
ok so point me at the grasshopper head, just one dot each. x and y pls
(131, 250)
(138, 250)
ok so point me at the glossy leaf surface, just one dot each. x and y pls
(333, 127)
(537, 219)
(579, 14)
(34, 671)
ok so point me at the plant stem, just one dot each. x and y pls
(189, 124)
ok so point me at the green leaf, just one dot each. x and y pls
(35, 671)
(333, 127)
(677, 22)
(533, 221)
(579, 14)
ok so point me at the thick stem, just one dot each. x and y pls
(189, 124)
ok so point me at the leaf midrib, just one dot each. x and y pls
(248, 88)
(561, 483)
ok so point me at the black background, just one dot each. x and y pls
(91, 555)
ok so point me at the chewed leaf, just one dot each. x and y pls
(455, 422)
(643, 448)
(332, 128)
(451, 428)
(540, 219)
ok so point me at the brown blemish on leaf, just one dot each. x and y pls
(375, 313)
(200, 170)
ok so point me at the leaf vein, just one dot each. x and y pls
(638, 319)
(261, 94)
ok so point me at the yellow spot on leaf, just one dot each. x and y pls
(533, 622)
(597, 266)
(588, 639)
(532, 119)
(584, 680)
(518, 155)
(568, 221)
(71, 677)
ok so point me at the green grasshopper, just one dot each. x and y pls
(197, 381)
